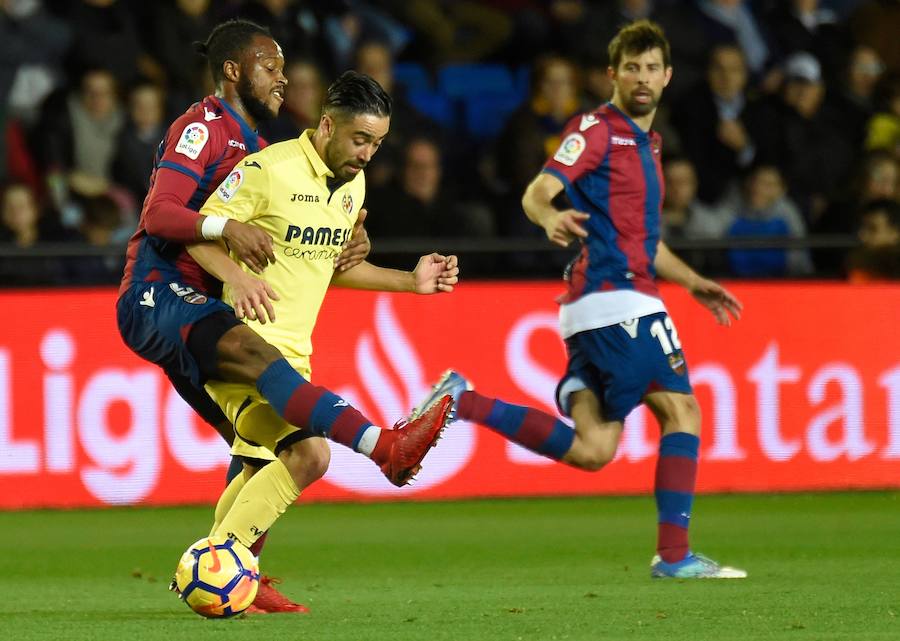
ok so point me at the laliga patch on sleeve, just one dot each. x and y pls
(192, 141)
(570, 149)
(230, 185)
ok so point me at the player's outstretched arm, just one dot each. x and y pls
(357, 248)
(722, 303)
(433, 274)
(561, 226)
(251, 297)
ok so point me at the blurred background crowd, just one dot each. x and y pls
(781, 126)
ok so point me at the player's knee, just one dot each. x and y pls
(307, 460)
(591, 456)
(244, 349)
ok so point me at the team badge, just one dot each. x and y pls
(347, 204)
(192, 141)
(570, 149)
(188, 294)
(676, 362)
(230, 185)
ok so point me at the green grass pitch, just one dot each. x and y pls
(822, 567)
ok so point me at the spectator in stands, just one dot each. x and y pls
(727, 21)
(853, 97)
(714, 124)
(302, 102)
(532, 134)
(878, 257)
(106, 36)
(25, 225)
(99, 228)
(32, 45)
(78, 137)
(685, 217)
(374, 58)
(883, 130)
(420, 203)
(176, 27)
(876, 23)
(878, 178)
(805, 25)
(811, 147)
(139, 139)
(765, 210)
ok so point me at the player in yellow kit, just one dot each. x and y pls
(307, 193)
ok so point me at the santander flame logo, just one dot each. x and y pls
(350, 470)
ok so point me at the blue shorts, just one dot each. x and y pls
(624, 362)
(155, 320)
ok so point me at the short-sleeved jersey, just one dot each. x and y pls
(204, 144)
(287, 190)
(611, 169)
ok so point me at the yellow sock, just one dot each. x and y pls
(226, 500)
(258, 505)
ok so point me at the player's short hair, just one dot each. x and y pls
(636, 38)
(887, 206)
(356, 93)
(226, 42)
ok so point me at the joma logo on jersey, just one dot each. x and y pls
(318, 235)
(304, 198)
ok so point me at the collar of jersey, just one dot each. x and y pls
(251, 138)
(317, 163)
(637, 131)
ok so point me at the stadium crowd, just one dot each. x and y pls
(782, 121)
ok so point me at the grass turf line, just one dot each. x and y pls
(822, 567)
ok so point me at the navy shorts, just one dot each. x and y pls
(624, 362)
(155, 320)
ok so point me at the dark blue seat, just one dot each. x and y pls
(462, 80)
(486, 114)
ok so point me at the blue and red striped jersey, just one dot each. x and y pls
(199, 150)
(611, 170)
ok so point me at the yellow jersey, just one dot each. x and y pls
(284, 189)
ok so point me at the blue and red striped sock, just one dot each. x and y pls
(315, 408)
(676, 474)
(533, 429)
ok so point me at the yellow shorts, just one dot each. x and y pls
(258, 428)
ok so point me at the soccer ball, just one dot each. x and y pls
(217, 577)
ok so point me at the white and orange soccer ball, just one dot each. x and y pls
(217, 577)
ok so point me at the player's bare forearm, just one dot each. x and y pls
(561, 226)
(537, 201)
(672, 268)
(365, 275)
(214, 260)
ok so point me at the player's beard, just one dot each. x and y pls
(335, 164)
(638, 109)
(258, 110)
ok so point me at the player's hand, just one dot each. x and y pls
(565, 226)
(436, 273)
(357, 248)
(252, 245)
(252, 298)
(718, 300)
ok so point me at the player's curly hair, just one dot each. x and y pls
(226, 42)
(636, 38)
(356, 93)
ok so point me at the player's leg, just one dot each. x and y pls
(235, 353)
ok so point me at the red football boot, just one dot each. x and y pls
(411, 441)
(270, 600)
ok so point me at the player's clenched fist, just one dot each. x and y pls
(436, 273)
